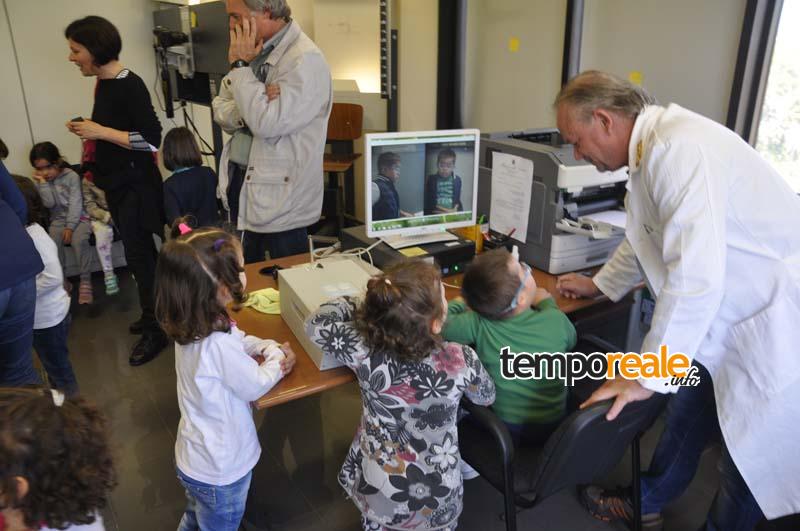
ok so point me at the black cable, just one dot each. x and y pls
(186, 117)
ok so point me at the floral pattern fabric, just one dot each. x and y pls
(402, 469)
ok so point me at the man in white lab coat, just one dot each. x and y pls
(275, 103)
(715, 232)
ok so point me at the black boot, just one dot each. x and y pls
(148, 347)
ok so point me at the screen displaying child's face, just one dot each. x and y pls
(446, 166)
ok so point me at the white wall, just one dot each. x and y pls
(418, 35)
(14, 128)
(685, 49)
(508, 89)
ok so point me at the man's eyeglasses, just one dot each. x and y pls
(513, 304)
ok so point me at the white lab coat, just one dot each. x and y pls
(283, 186)
(716, 232)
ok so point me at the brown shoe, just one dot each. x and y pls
(610, 505)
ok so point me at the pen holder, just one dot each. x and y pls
(472, 232)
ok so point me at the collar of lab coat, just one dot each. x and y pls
(292, 32)
(641, 129)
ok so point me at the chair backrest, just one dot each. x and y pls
(586, 446)
(345, 122)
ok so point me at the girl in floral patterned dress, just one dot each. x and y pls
(402, 469)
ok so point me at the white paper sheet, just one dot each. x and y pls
(512, 180)
(612, 217)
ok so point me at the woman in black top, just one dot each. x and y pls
(120, 143)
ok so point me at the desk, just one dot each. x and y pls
(305, 379)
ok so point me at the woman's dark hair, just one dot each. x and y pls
(190, 269)
(180, 150)
(398, 310)
(61, 451)
(37, 213)
(98, 35)
(3, 150)
(49, 152)
(489, 285)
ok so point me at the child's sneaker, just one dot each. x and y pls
(85, 295)
(467, 472)
(112, 286)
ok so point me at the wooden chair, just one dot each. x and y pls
(344, 126)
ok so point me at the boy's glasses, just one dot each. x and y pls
(513, 304)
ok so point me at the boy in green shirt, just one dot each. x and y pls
(500, 292)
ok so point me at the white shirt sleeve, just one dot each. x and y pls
(241, 373)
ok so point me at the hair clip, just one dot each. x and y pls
(184, 228)
(388, 282)
(58, 397)
(218, 243)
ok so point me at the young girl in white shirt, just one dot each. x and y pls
(220, 369)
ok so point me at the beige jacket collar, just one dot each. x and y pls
(641, 131)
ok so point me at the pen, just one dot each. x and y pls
(511, 233)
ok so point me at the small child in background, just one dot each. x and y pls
(96, 206)
(60, 189)
(191, 190)
(403, 468)
(500, 290)
(56, 470)
(51, 317)
(220, 370)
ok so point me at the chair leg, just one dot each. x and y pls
(636, 482)
(508, 499)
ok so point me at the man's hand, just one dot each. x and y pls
(287, 363)
(624, 391)
(66, 236)
(540, 295)
(573, 286)
(87, 130)
(243, 42)
(273, 90)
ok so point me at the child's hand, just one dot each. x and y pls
(540, 295)
(287, 363)
(66, 236)
(272, 90)
(39, 178)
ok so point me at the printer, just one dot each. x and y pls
(562, 234)
(305, 287)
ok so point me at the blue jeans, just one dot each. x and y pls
(213, 507)
(17, 306)
(51, 346)
(691, 423)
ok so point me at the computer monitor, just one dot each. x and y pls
(420, 183)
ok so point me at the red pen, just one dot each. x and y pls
(512, 232)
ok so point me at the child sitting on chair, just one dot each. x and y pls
(403, 468)
(509, 310)
(95, 204)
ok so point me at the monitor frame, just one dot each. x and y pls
(444, 134)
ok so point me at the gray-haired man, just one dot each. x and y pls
(271, 170)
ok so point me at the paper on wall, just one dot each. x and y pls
(512, 180)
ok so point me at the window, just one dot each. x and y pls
(778, 137)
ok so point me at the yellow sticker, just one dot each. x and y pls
(194, 19)
(635, 77)
(513, 44)
(413, 251)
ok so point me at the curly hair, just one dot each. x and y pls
(398, 309)
(191, 268)
(63, 454)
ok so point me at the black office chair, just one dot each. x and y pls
(585, 447)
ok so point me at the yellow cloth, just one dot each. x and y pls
(265, 300)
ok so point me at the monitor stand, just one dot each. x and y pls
(399, 241)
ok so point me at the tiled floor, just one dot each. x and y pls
(303, 443)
